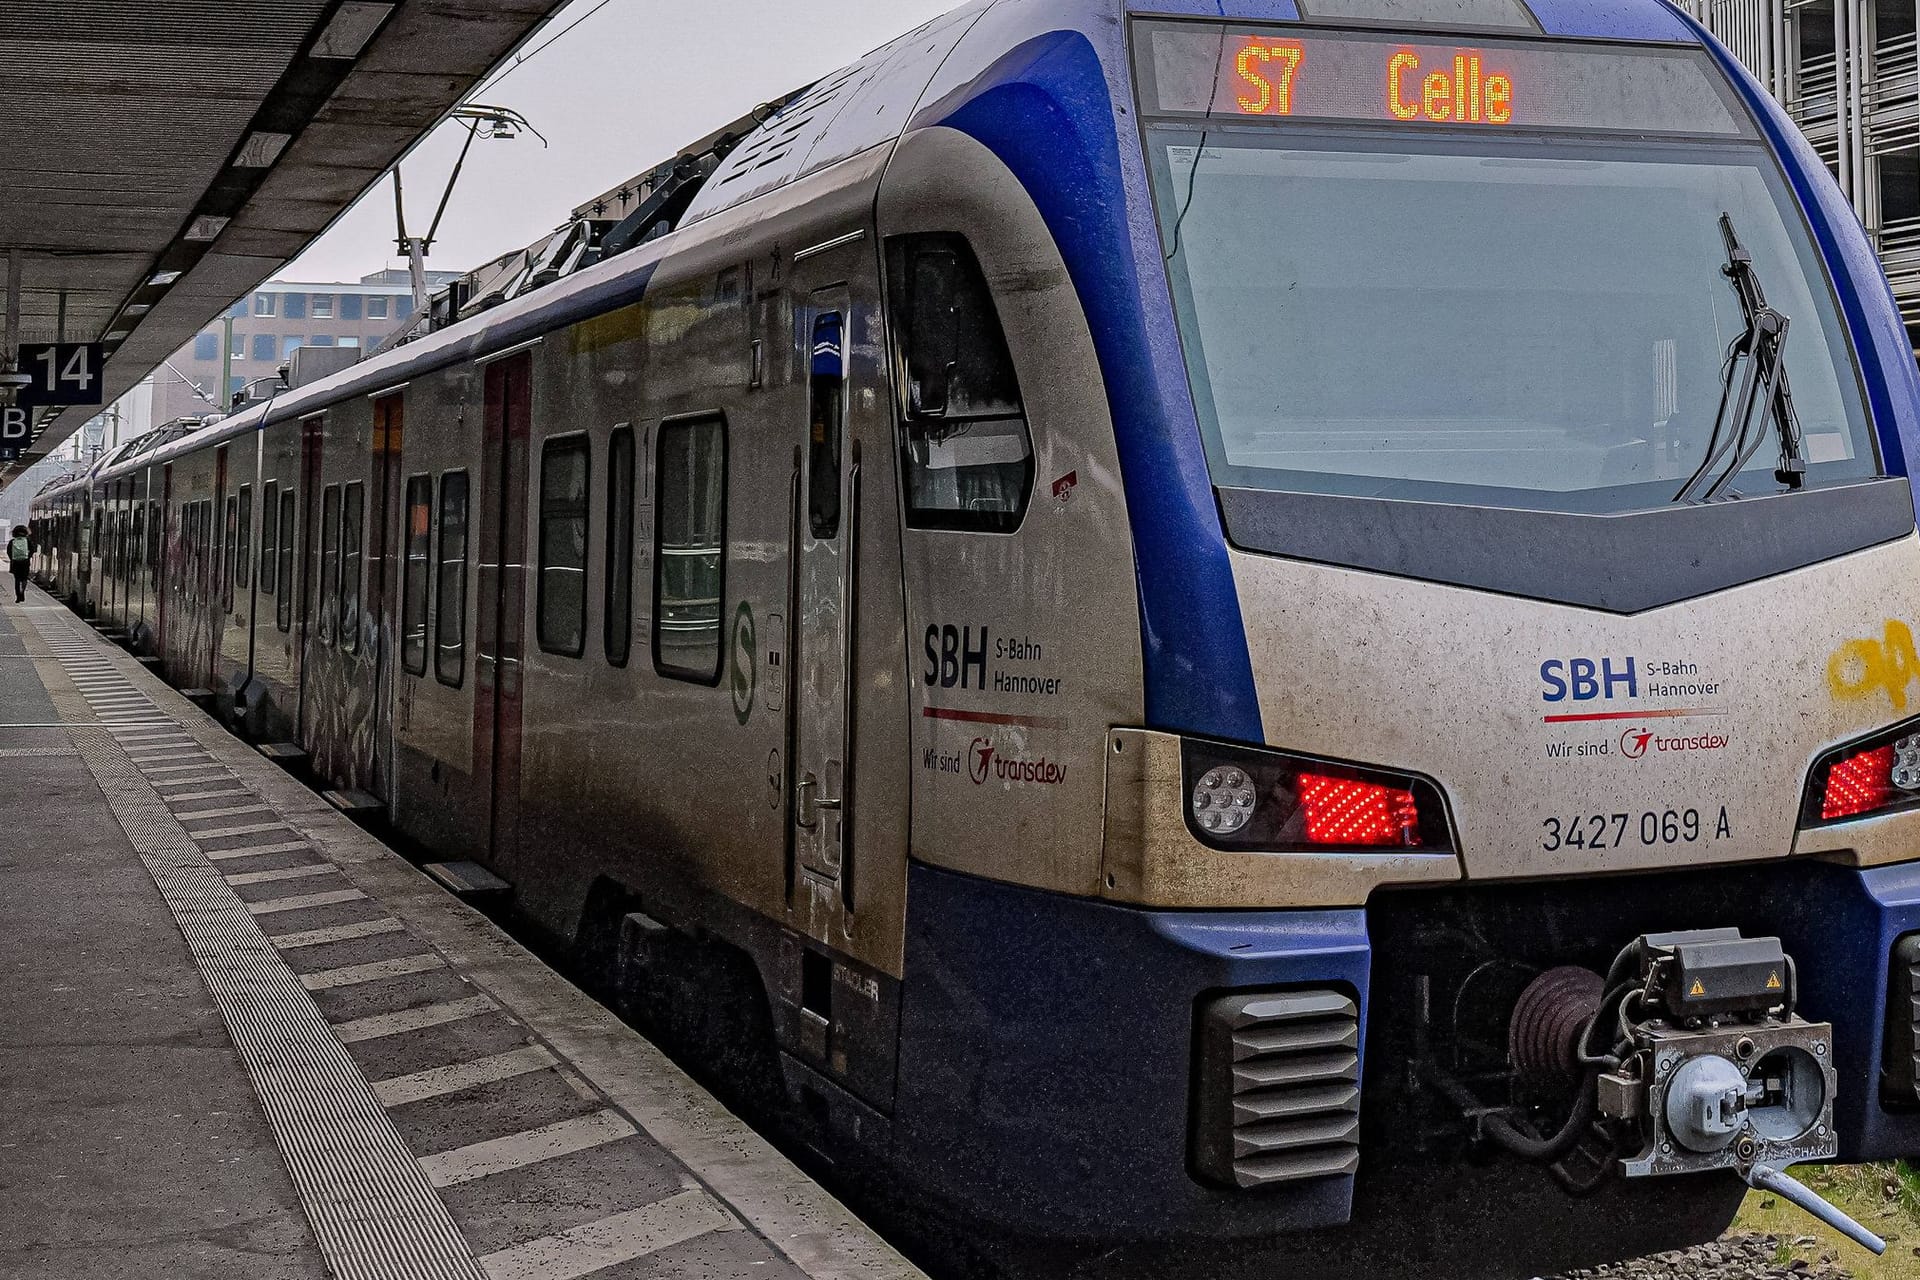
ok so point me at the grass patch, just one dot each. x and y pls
(1884, 1197)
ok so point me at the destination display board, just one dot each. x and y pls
(1280, 74)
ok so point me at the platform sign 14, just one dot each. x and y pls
(63, 373)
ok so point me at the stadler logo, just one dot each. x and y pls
(979, 760)
(1635, 743)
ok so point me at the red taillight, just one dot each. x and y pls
(1342, 811)
(1859, 783)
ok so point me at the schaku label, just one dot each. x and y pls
(1290, 74)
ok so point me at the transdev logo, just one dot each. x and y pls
(979, 760)
(984, 762)
(1635, 743)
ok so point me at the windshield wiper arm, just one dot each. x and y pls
(1755, 379)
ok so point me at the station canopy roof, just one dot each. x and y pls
(158, 160)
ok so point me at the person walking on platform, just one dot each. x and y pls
(20, 560)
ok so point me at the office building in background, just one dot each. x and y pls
(1847, 73)
(266, 327)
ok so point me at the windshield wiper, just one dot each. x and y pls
(1757, 359)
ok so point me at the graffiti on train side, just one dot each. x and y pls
(340, 719)
(1864, 667)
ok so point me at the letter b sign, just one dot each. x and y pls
(16, 429)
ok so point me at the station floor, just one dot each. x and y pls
(241, 1038)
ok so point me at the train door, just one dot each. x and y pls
(499, 634)
(821, 806)
(383, 581)
(312, 431)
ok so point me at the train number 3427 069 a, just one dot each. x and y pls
(1649, 827)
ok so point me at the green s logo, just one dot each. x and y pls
(741, 666)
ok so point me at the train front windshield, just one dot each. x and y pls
(1479, 304)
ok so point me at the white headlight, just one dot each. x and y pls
(1906, 763)
(1223, 799)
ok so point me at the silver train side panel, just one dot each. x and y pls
(1008, 751)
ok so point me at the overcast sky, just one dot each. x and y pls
(620, 92)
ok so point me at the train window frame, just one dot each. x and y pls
(156, 534)
(616, 615)
(269, 536)
(826, 423)
(417, 497)
(229, 551)
(708, 675)
(243, 565)
(457, 647)
(353, 542)
(289, 525)
(581, 443)
(928, 418)
(327, 624)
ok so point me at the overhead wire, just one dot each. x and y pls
(523, 59)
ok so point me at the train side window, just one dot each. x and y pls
(243, 566)
(329, 563)
(826, 396)
(156, 530)
(289, 509)
(690, 538)
(965, 450)
(231, 557)
(450, 619)
(413, 591)
(617, 621)
(352, 512)
(269, 509)
(565, 465)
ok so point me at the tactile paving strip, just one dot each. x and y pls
(374, 1213)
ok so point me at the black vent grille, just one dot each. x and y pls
(1278, 1094)
(1900, 1077)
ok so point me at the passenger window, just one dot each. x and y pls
(243, 566)
(329, 562)
(618, 619)
(564, 468)
(826, 394)
(690, 544)
(289, 503)
(450, 621)
(268, 508)
(156, 530)
(231, 558)
(352, 509)
(413, 591)
(966, 453)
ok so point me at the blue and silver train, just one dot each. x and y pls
(1201, 620)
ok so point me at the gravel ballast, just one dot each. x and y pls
(1747, 1257)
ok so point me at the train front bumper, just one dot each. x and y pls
(1051, 1046)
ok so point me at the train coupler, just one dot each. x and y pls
(1690, 1054)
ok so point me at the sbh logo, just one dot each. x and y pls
(954, 659)
(1583, 679)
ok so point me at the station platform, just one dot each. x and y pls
(239, 1037)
